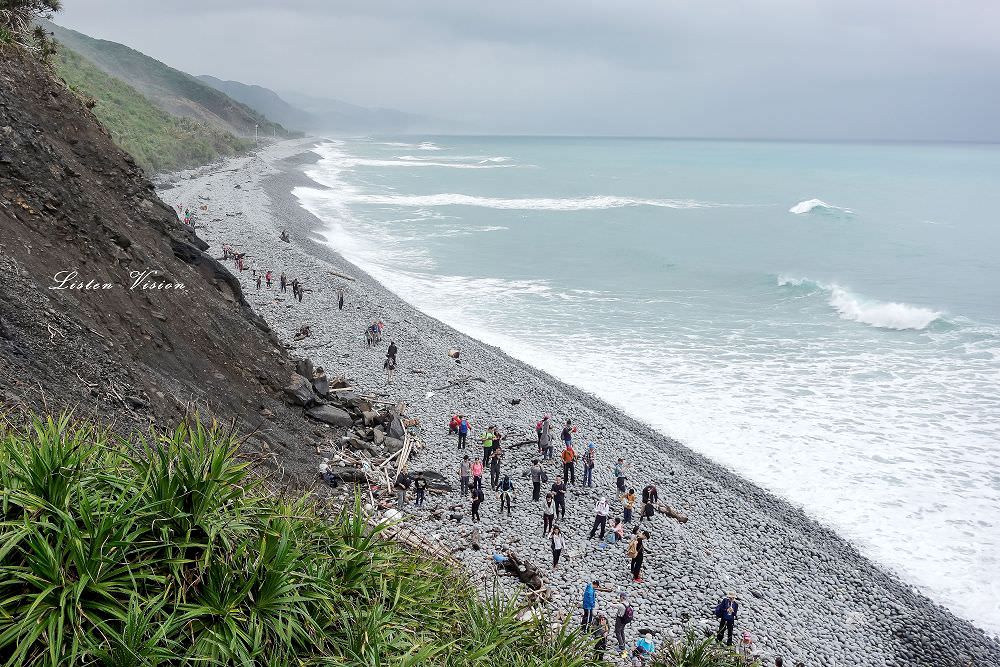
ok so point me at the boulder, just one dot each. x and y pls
(436, 481)
(349, 474)
(321, 384)
(339, 383)
(378, 436)
(299, 390)
(396, 429)
(369, 417)
(393, 445)
(304, 367)
(331, 415)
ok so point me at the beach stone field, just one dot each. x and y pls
(805, 593)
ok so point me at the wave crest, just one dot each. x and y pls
(541, 204)
(810, 205)
(879, 314)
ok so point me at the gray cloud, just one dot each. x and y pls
(893, 69)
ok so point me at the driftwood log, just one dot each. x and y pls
(671, 512)
(527, 573)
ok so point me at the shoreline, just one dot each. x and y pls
(807, 593)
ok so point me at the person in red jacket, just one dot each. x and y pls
(569, 464)
(453, 424)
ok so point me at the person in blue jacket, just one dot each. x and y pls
(726, 611)
(589, 602)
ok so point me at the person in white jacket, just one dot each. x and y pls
(601, 510)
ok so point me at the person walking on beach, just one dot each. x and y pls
(601, 510)
(620, 476)
(557, 544)
(477, 474)
(477, 499)
(559, 495)
(340, 298)
(567, 433)
(283, 282)
(302, 289)
(487, 442)
(545, 437)
(623, 616)
(463, 431)
(536, 473)
(402, 484)
(569, 464)
(420, 487)
(506, 489)
(601, 633)
(258, 282)
(726, 611)
(636, 554)
(464, 472)
(495, 458)
(391, 352)
(497, 437)
(453, 424)
(389, 365)
(649, 499)
(628, 503)
(589, 602)
(267, 278)
(548, 514)
(589, 459)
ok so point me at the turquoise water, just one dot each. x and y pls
(845, 355)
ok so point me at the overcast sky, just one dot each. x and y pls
(842, 69)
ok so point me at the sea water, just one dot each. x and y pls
(823, 319)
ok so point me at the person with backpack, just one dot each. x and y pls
(601, 510)
(616, 534)
(477, 500)
(453, 424)
(726, 611)
(559, 495)
(636, 554)
(463, 430)
(623, 616)
(649, 499)
(557, 544)
(506, 489)
(589, 602)
(569, 464)
(589, 461)
(548, 514)
(536, 474)
(464, 473)
(620, 477)
(477, 474)
(601, 633)
(645, 642)
(420, 487)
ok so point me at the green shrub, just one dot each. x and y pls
(167, 550)
(693, 651)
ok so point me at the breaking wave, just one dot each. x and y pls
(540, 204)
(879, 314)
(810, 205)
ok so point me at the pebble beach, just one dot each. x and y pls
(806, 594)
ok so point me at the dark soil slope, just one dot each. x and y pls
(72, 201)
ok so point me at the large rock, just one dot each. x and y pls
(321, 384)
(393, 445)
(396, 429)
(436, 481)
(304, 367)
(331, 415)
(299, 390)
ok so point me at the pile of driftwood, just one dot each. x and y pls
(671, 512)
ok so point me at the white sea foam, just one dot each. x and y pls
(880, 314)
(810, 205)
(540, 204)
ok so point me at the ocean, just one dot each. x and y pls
(823, 319)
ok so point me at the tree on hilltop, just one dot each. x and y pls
(19, 23)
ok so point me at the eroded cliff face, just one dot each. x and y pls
(76, 211)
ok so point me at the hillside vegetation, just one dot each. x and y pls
(166, 550)
(157, 140)
(171, 90)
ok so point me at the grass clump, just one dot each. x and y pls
(694, 651)
(157, 140)
(166, 550)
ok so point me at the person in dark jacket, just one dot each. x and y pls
(401, 484)
(420, 487)
(495, 458)
(726, 611)
(559, 495)
(649, 499)
(506, 489)
(391, 352)
(477, 499)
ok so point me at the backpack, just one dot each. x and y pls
(627, 616)
(538, 428)
(544, 477)
(633, 548)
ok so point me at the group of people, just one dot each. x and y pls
(267, 278)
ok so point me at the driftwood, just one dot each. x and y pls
(671, 512)
(460, 381)
(341, 275)
(528, 574)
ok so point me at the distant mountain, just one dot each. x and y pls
(171, 90)
(320, 114)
